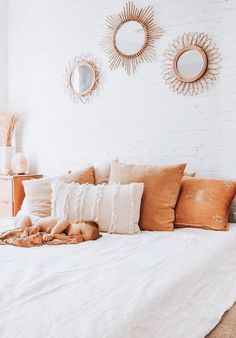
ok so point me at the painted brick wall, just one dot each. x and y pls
(134, 118)
(3, 54)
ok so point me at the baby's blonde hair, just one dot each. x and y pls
(95, 226)
(92, 223)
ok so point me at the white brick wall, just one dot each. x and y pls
(3, 54)
(136, 117)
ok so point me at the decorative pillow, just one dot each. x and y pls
(38, 192)
(161, 189)
(114, 207)
(102, 171)
(204, 203)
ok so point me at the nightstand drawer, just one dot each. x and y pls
(5, 190)
(5, 209)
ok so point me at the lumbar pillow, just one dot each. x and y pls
(204, 203)
(161, 189)
(114, 207)
(38, 192)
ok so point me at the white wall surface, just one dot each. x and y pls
(3, 54)
(137, 117)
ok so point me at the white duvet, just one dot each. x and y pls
(150, 285)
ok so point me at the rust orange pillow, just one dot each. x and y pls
(204, 203)
(161, 190)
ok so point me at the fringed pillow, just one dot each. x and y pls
(114, 207)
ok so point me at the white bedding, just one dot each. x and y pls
(150, 285)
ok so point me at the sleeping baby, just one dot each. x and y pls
(50, 230)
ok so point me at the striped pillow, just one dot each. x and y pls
(115, 207)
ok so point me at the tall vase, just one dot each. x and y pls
(6, 153)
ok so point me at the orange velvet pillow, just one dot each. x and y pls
(161, 189)
(204, 203)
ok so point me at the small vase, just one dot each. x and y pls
(6, 153)
(19, 164)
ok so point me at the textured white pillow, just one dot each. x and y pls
(38, 192)
(114, 207)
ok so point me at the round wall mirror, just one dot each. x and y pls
(130, 38)
(82, 78)
(190, 63)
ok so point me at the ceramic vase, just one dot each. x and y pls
(19, 164)
(6, 154)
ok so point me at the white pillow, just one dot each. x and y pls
(38, 195)
(38, 192)
(114, 207)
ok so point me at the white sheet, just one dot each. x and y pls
(150, 285)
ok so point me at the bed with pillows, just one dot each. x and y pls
(164, 266)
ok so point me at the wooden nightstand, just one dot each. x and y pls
(12, 193)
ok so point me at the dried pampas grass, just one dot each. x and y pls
(8, 122)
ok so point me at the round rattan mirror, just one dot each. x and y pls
(131, 36)
(191, 63)
(82, 78)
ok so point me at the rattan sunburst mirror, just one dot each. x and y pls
(82, 78)
(191, 63)
(131, 36)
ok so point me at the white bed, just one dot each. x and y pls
(151, 285)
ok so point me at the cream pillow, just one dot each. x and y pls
(38, 192)
(114, 207)
(102, 171)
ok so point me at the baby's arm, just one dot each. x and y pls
(61, 226)
(45, 224)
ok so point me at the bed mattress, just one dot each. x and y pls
(154, 284)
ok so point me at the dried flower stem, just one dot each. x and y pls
(8, 122)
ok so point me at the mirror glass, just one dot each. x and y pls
(190, 64)
(82, 78)
(130, 38)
